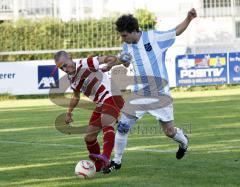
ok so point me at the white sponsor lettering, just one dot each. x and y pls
(201, 73)
(234, 59)
(47, 82)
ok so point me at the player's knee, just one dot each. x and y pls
(123, 128)
(169, 131)
(90, 137)
(168, 128)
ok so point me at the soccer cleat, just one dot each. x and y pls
(111, 167)
(181, 151)
(100, 157)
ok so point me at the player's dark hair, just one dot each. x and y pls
(59, 54)
(127, 23)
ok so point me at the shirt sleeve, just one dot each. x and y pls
(165, 39)
(90, 63)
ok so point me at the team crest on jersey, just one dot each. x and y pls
(148, 47)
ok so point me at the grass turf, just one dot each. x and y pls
(34, 153)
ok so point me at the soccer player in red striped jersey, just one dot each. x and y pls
(86, 77)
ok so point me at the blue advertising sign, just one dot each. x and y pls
(48, 77)
(234, 68)
(201, 69)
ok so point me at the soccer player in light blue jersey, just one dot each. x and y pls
(148, 50)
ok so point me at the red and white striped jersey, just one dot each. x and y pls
(91, 81)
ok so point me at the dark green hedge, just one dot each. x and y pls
(51, 34)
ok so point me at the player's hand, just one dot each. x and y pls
(191, 14)
(106, 68)
(68, 118)
(109, 62)
(125, 57)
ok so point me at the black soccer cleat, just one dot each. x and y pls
(111, 167)
(181, 152)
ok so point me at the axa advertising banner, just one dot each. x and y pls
(31, 77)
(201, 69)
(234, 68)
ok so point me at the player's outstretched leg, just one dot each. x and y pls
(108, 122)
(93, 145)
(123, 128)
(177, 135)
(109, 114)
(108, 143)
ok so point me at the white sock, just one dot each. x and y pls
(119, 146)
(180, 138)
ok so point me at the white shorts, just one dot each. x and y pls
(162, 110)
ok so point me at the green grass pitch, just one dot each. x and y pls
(33, 153)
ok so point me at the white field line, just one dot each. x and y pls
(76, 146)
(40, 144)
(127, 149)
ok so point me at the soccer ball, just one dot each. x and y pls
(85, 169)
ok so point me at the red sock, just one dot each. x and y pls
(98, 165)
(108, 140)
(93, 147)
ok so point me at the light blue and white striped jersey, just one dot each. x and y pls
(149, 61)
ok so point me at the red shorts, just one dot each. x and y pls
(111, 106)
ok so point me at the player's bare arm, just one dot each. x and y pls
(182, 26)
(73, 103)
(111, 61)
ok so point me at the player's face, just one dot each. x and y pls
(66, 65)
(128, 37)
